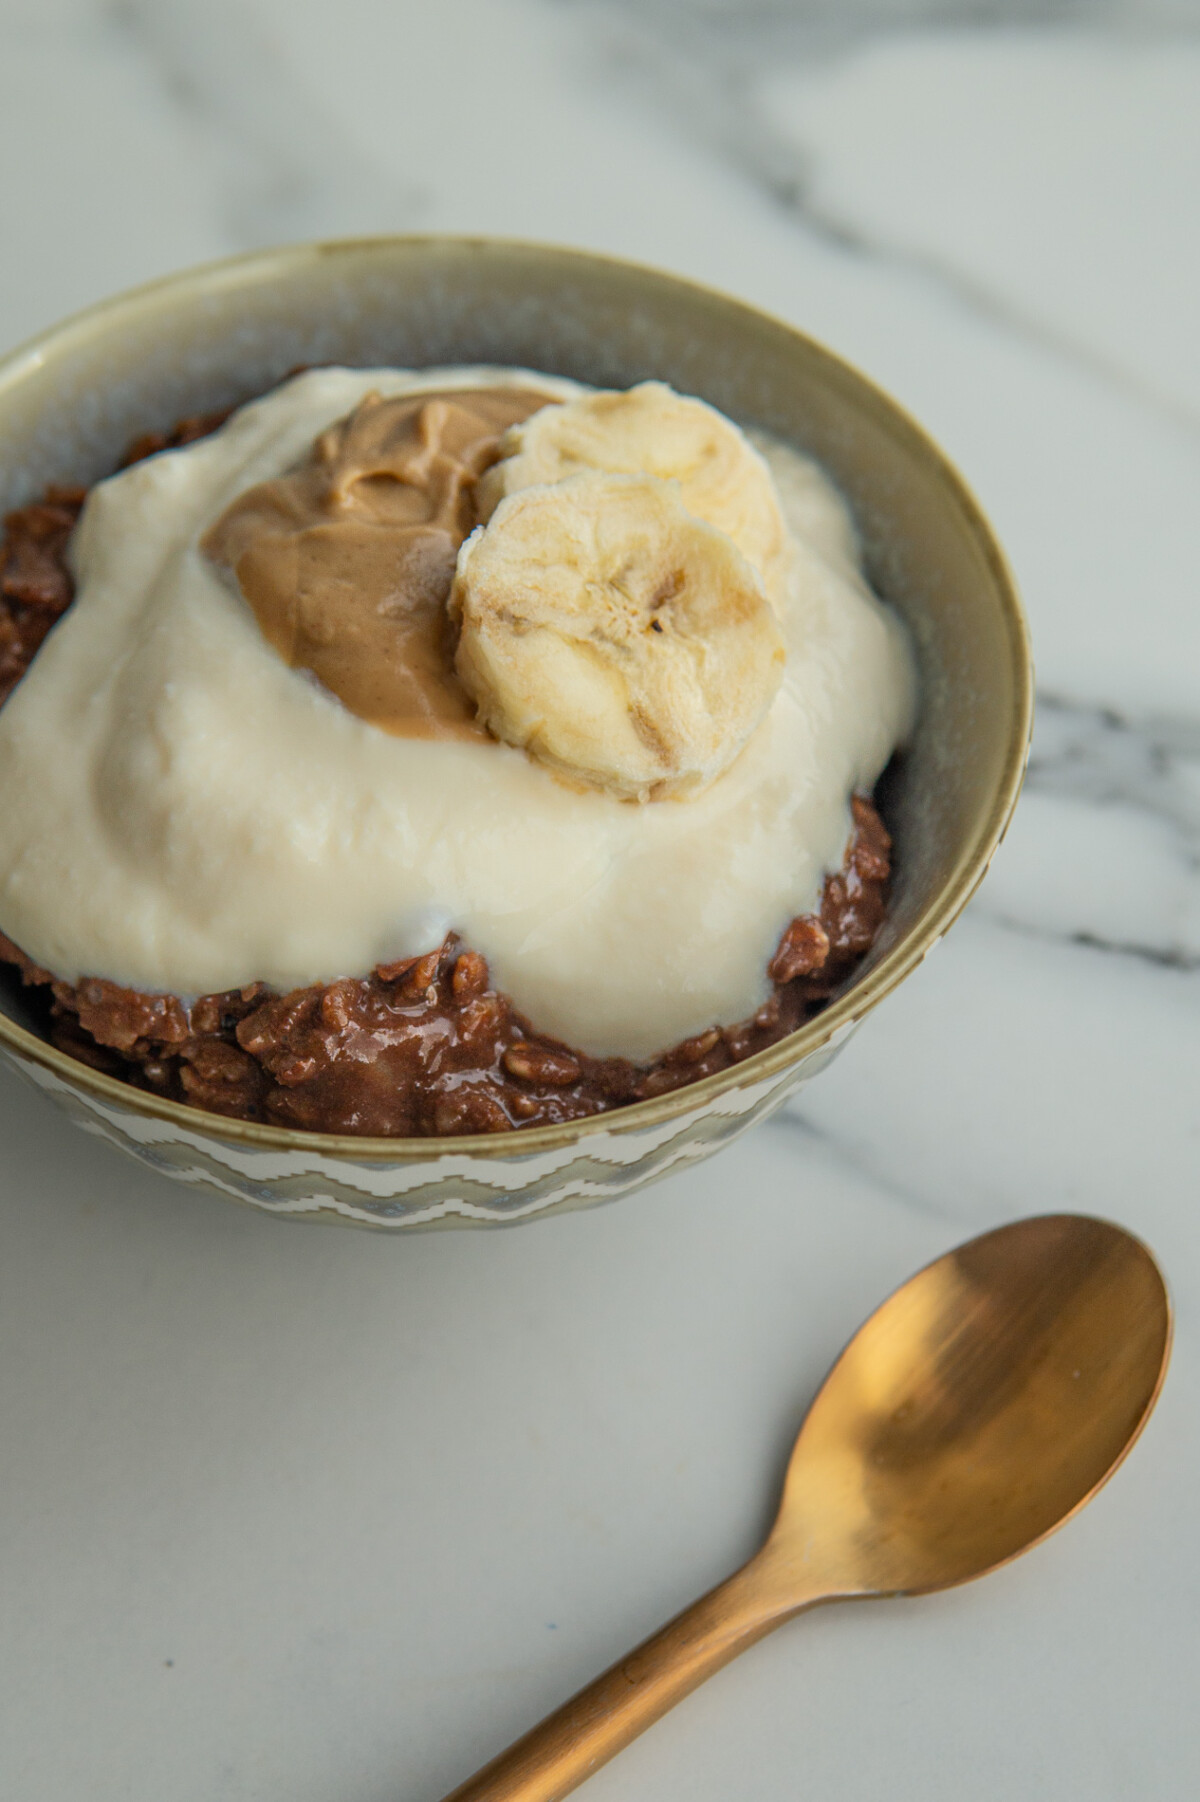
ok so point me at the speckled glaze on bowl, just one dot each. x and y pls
(70, 402)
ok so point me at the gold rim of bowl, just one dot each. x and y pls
(863, 994)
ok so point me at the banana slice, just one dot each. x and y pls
(613, 635)
(653, 431)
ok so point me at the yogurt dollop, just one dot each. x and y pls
(185, 813)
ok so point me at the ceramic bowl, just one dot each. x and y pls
(71, 400)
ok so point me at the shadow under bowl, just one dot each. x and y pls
(71, 401)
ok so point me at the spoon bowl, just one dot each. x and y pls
(975, 1411)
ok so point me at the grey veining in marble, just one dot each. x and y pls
(297, 1514)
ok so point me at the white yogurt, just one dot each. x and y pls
(183, 812)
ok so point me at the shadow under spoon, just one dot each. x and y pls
(978, 1409)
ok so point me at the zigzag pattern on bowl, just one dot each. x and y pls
(461, 1190)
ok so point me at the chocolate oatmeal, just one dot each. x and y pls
(421, 1046)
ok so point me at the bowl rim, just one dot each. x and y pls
(862, 995)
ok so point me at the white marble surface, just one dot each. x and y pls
(303, 1513)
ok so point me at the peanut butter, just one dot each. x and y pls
(347, 561)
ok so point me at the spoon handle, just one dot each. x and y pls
(594, 1725)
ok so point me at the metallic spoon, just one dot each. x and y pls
(978, 1409)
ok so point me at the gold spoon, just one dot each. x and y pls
(978, 1409)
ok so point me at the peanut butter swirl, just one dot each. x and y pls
(347, 561)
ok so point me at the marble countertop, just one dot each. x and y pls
(311, 1514)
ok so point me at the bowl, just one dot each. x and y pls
(70, 402)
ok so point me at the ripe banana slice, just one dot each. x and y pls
(613, 635)
(651, 430)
